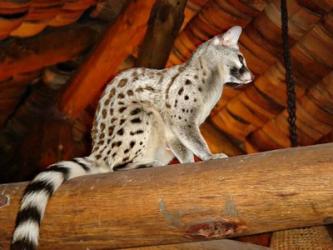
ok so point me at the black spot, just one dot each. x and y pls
(120, 131)
(130, 92)
(125, 159)
(179, 117)
(183, 110)
(122, 109)
(122, 82)
(116, 144)
(132, 143)
(135, 111)
(136, 120)
(141, 143)
(195, 100)
(111, 130)
(114, 154)
(180, 91)
(186, 97)
(121, 95)
(188, 82)
(140, 131)
(126, 151)
(122, 121)
(121, 103)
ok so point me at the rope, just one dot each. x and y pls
(291, 93)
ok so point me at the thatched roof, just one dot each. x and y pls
(43, 43)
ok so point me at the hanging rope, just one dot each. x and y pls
(291, 93)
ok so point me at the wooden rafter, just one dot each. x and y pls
(188, 202)
(119, 41)
(25, 55)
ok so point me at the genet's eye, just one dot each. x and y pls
(241, 59)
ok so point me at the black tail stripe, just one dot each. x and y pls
(83, 166)
(28, 213)
(22, 244)
(37, 186)
(59, 169)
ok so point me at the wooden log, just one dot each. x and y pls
(20, 56)
(164, 23)
(241, 195)
(119, 41)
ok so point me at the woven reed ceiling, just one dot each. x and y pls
(245, 120)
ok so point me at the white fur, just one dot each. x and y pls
(37, 199)
(27, 230)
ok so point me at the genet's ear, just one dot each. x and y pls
(229, 38)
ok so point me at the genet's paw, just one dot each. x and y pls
(219, 156)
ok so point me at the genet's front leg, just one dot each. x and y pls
(182, 153)
(190, 136)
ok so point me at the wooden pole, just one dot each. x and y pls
(242, 195)
(164, 23)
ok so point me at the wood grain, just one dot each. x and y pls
(241, 195)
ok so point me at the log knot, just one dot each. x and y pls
(215, 229)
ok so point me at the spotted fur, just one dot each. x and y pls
(144, 118)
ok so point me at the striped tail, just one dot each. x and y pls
(36, 196)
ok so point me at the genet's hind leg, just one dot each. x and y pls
(154, 151)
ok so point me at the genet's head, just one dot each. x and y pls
(225, 46)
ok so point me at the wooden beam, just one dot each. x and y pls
(164, 23)
(119, 40)
(241, 195)
(25, 55)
